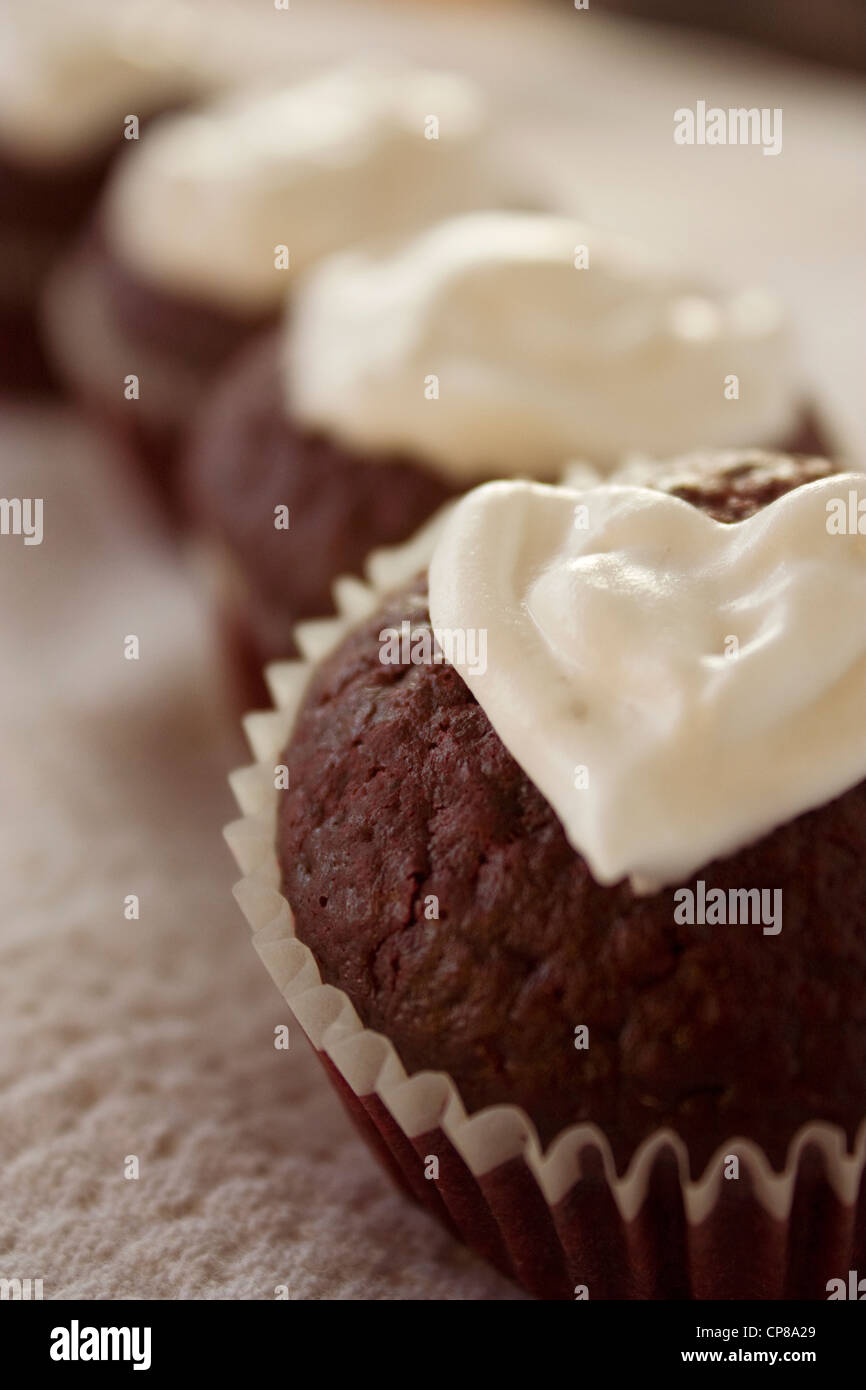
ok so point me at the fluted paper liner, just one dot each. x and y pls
(561, 1222)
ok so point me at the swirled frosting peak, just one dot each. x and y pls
(506, 343)
(356, 153)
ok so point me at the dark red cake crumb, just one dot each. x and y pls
(733, 485)
(400, 790)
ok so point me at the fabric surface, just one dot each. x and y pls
(154, 1037)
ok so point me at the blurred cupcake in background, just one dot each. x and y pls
(77, 82)
(207, 222)
(491, 345)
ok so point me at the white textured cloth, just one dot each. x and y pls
(154, 1037)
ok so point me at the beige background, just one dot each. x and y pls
(154, 1037)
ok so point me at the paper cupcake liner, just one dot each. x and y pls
(562, 1221)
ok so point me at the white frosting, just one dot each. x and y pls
(202, 204)
(606, 650)
(537, 360)
(71, 70)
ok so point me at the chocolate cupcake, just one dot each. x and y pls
(566, 883)
(490, 345)
(206, 224)
(76, 84)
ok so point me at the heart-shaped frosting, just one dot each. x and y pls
(675, 686)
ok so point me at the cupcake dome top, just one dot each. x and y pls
(507, 342)
(205, 203)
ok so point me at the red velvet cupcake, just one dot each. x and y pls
(557, 850)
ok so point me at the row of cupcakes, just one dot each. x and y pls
(179, 220)
(441, 349)
(326, 315)
(485, 948)
(447, 908)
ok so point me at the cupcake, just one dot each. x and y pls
(566, 876)
(207, 222)
(492, 344)
(76, 83)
